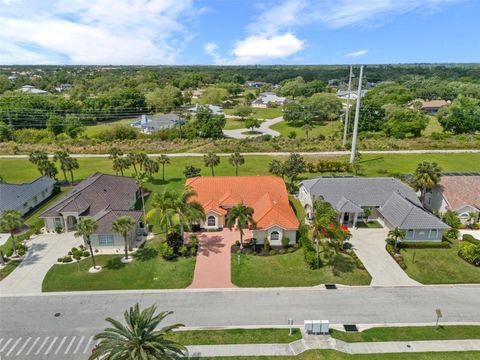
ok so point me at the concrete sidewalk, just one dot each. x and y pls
(328, 343)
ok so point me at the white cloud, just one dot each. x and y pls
(94, 32)
(357, 53)
(210, 48)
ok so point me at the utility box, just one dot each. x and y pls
(308, 325)
(317, 326)
(325, 327)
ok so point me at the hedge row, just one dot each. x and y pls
(355, 258)
(424, 244)
(470, 239)
(396, 256)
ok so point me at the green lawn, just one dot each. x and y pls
(148, 271)
(33, 218)
(433, 126)
(8, 269)
(410, 333)
(291, 270)
(94, 130)
(235, 336)
(439, 266)
(233, 124)
(327, 129)
(335, 355)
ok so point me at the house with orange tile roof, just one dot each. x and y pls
(267, 195)
(433, 106)
(456, 192)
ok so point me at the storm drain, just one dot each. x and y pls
(330, 286)
(350, 328)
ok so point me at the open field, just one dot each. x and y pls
(233, 124)
(410, 333)
(291, 270)
(328, 128)
(94, 130)
(148, 271)
(439, 266)
(235, 336)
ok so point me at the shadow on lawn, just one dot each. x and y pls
(145, 254)
(342, 264)
(115, 263)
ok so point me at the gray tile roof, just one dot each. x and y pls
(149, 123)
(95, 194)
(105, 219)
(12, 196)
(363, 192)
(405, 215)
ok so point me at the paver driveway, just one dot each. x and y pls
(369, 245)
(213, 265)
(43, 252)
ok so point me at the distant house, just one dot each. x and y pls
(26, 196)
(267, 195)
(104, 198)
(256, 84)
(151, 123)
(343, 94)
(197, 93)
(393, 204)
(29, 89)
(192, 109)
(268, 100)
(456, 192)
(432, 106)
(63, 87)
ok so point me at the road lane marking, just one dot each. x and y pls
(13, 347)
(51, 345)
(33, 345)
(70, 345)
(24, 346)
(79, 344)
(6, 344)
(61, 344)
(41, 346)
(88, 344)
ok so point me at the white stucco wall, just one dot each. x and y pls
(261, 234)
(118, 241)
(219, 221)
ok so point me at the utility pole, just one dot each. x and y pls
(357, 114)
(347, 112)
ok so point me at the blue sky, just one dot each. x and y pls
(238, 31)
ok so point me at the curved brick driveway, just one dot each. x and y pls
(213, 269)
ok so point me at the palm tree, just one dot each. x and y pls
(120, 164)
(142, 178)
(163, 160)
(211, 160)
(142, 159)
(307, 127)
(322, 218)
(163, 207)
(151, 167)
(395, 235)
(48, 168)
(86, 226)
(138, 338)
(367, 212)
(472, 217)
(188, 211)
(11, 220)
(242, 216)
(124, 225)
(114, 153)
(38, 158)
(276, 167)
(133, 159)
(71, 164)
(62, 157)
(236, 159)
(426, 176)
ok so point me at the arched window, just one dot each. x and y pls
(211, 221)
(274, 235)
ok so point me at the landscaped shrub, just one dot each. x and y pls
(67, 259)
(396, 256)
(424, 244)
(357, 261)
(452, 233)
(470, 252)
(292, 249)
(174, 240)
(282, 251)
(311, 259)
(86, 254)
(266, 244)
(272, 252)
(166, 251)
(470, 239)
(58, 229)
(77, 257)
(183, 250)
(285, 241)
(237, 243)
(347, 245)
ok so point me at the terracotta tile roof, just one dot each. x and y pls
(267, 195)
(433, 104)
(461, 190)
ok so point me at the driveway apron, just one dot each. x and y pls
(369, 245)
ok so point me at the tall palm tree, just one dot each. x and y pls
(38, 158)
(124, 225)
(188, 211)
(47, 168)
(322, 218)
(141, 178)
(120, 165)
(114, 153)
(426, 176)
(236, 159)
(163, 207)
(307, 127)
(11, 220)
(142, 159)
(138, 338)
(62, 157)
(472, 217)
(71, 164)
(163, 160)
(132, 159)
(86, 226)
(242, 216)
(395, 235)
(211, 160)
(151, 167)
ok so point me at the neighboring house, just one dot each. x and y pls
(459, 193)
(24, 197)
(63, 87)
(197, 93)
(267, 195)
(432, 106)
(32, 90)
(268, 100)
(151, 123)
(343, 94)
(193, 109)
(256, 84)
(104, 198)
(393, 203)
